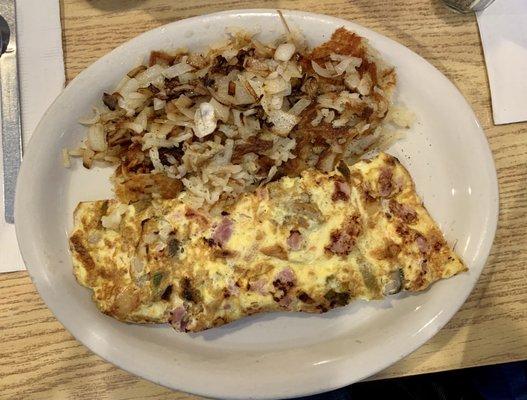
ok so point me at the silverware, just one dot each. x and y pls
(11, 124)
(465, 6)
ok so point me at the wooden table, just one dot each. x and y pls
(40, 360)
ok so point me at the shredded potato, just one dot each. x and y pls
(208, 126)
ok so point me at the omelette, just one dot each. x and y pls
(310, 243)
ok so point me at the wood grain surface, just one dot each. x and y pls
(40, 360)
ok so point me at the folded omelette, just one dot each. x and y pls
(309, 244)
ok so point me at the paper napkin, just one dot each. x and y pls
(41, 77)
(503, 30)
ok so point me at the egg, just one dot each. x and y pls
(307, 244)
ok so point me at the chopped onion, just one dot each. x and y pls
(130, 86)
(355, 62)
(219, 44)
(331, 69)
(276, 102)
(229, 147)
(330, 116)
(273, 75)
(342, 121)
(365, 128)
(156, 160)
(327, 100)
(136, 96)
(228, 130)
(299, 106)
(274, 86)
(137, 265)
(159, 104)
(242, 95)
(221, 110)
(346, 99)
(204, 120)
(252, 124)
(290, 70)
(365, 84)
(97, 138)
(200, 73)
(113, 220)
(87, 158)
(121, 83)
(257, 66)
(161, 130)
(135, 127)
(229, 53)
(142, 118)
(180, 120)
(149, 75)
(284, 52)
(282, 121)
(182, 138)
(342, 66)
(237, 118)
(76, 152)
(321, 71)
(187, 77)
(91, 120)
(270, 103)
(318, 119)
(222, 92)
(66, 158)
(133, 72)
(261, 49)
(250, 111)
(177, 70)
(183, 104)
(257, 86)
(352, 80)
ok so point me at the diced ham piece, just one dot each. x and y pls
(343, 240)
(286, 276)
(259, 286)
(422, 244)
(341, 244)
(233, 290)
(223, 232)
(385, 182)
(342, 191)
(286, 302)
(403, 211)
(262, 194)
(344, 187)
(294, 241)
(176, 318)
(284, 281)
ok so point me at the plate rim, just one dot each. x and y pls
(491, 217)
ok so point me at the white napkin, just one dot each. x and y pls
(503, 30)
(41, 76)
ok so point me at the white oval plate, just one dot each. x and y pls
(276, 355)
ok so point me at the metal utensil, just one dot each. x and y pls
(465, 6)
(11, 124)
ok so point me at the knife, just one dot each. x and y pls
(10, 95)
